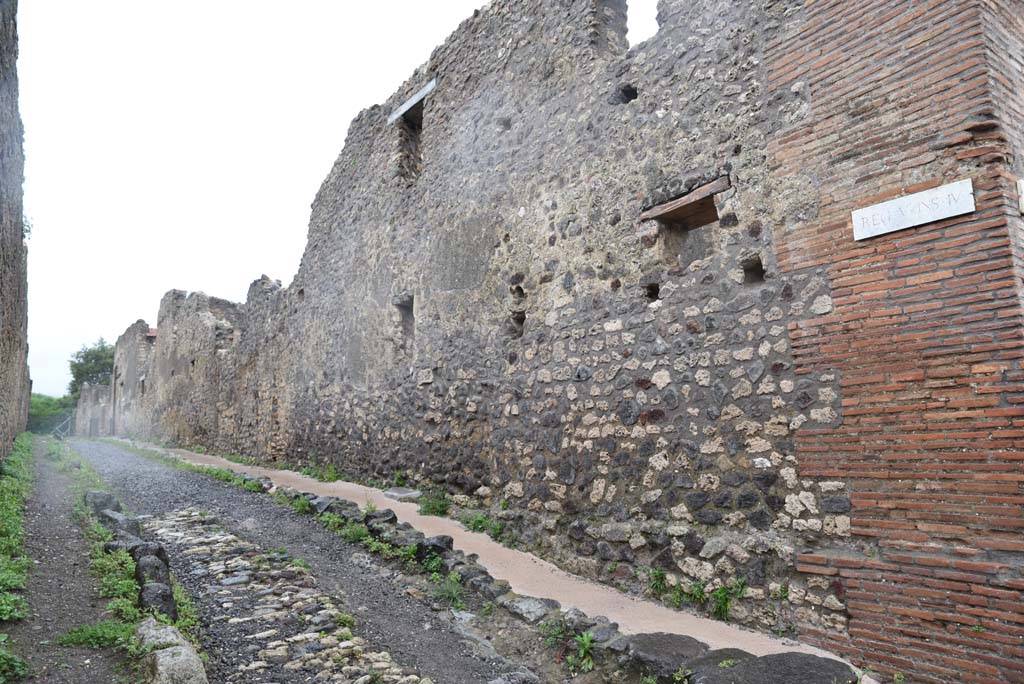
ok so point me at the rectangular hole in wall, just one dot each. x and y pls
(407, 325)
(408, 118)
(679, 220)
(410, 127)
(753, 271)
(682, 245)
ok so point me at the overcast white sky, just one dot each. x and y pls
(180, 144)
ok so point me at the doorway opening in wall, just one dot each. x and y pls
(641, 20)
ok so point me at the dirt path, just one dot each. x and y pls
(60, 591)
(417, 637)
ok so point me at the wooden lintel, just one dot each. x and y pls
(682, 206)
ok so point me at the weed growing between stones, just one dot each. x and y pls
(696, 594)
(345, 620)
(681, 676)
(449, 590)
(583, 659)
(326, 473)
(433, 563)
(301, 505)
(15, 486)
(435, 502)
(656, 581)
(575, 650)
(481, 522)
(722, 598)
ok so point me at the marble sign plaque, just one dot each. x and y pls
(918, 209)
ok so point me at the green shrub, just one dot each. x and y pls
(326, 473)
(12, 607)
(250, 485)
(302, 506)
(478, 522)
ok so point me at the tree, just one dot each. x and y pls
(92, 365)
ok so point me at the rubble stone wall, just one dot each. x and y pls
(93, 414)
(14, 377)
(742, 393)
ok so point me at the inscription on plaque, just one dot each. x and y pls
(918, 209)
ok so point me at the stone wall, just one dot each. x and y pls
(14, 378)
(133, 355)
(495, 299)
(93, 414)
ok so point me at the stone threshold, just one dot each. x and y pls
(527, 574)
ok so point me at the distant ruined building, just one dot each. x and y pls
(676, 306)
(14, 377)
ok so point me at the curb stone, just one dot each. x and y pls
(172, 659)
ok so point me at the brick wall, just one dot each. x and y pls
(925, 333)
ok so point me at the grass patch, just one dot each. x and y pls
(225, 475)
(327, 473)
(16, 475)
(12, 668)
(105, 634)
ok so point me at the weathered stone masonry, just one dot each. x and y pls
(732, 389)
(14, 378)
